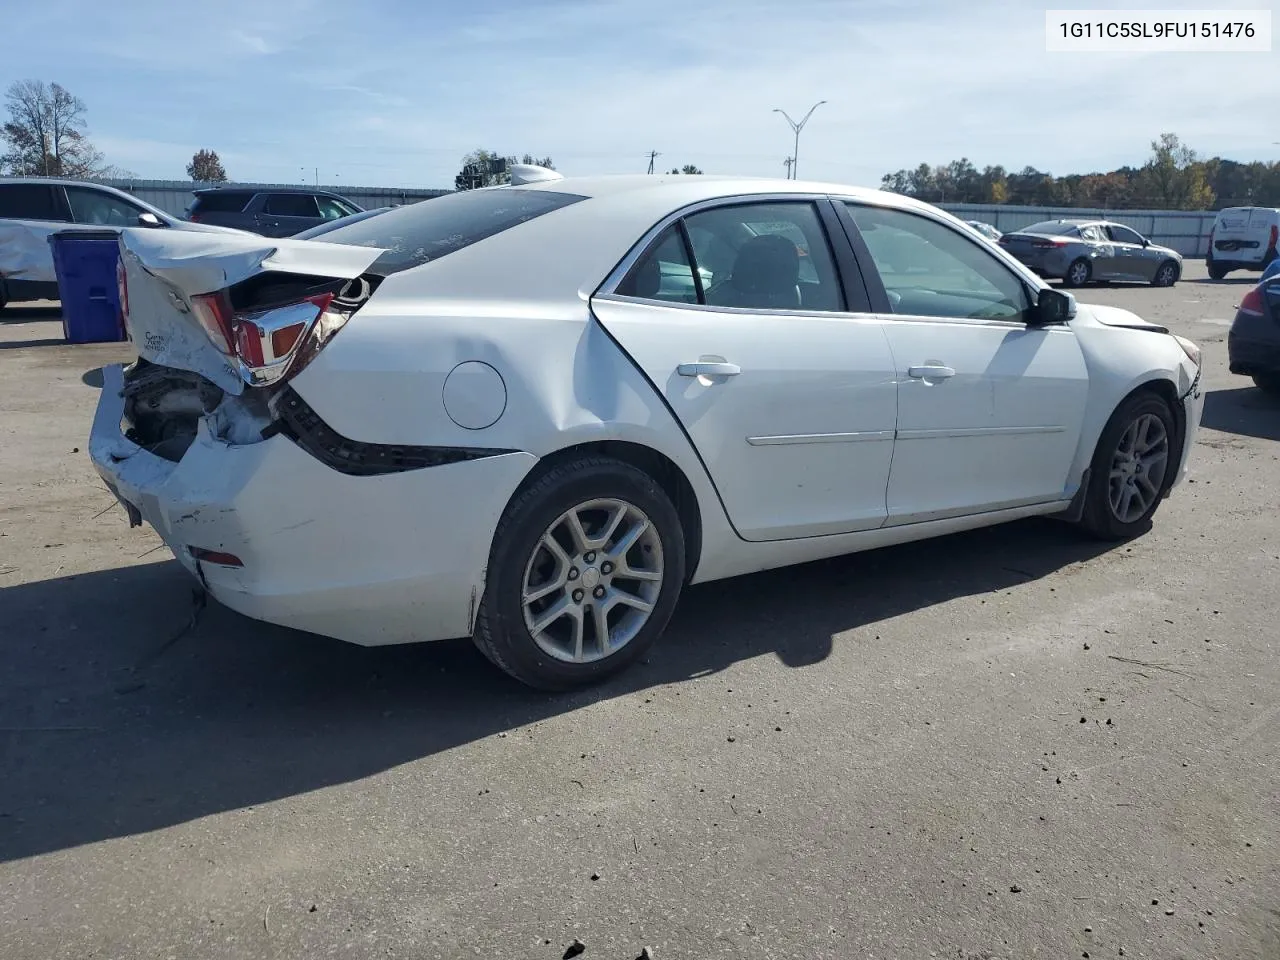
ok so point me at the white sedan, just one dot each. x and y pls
(532, 414)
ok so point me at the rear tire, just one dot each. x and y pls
(1078, 273)
(586, 566)
(1166, 275)
(1217, 271)
(1133, 467)
(1268, 383)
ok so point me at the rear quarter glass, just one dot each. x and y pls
(27, 201)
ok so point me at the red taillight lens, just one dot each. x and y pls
(1275, 235)
(213, 311)
(1252, 302)
(269, 339)
(1048, 244)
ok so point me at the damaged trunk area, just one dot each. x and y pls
(164, 406)
(281, 321)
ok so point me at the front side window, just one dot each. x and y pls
(331, 209)
(931, 270)
(1123, 234)
(90, 206)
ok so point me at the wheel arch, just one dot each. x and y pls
(1167, 391)
(664, 471)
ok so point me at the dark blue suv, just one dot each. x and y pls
(277, 212)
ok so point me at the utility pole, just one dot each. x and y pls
(653, 155)
(796, 128)
(787, 163)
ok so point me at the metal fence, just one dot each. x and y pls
(175, 196)
(1186, 231)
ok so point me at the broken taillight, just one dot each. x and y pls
(266, 342)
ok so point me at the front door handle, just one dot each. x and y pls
(708, 369)
(931, 372)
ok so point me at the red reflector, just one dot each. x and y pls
(249, 343)
(1252, 302)
(215, 556)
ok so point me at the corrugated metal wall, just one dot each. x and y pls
(174, 196)
(1186, 231)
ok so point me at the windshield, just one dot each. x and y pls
(431, 229)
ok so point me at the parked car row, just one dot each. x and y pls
(33, 208)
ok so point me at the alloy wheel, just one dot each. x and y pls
(1138, 468)
(592, 580)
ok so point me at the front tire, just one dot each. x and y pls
(586, 567)
(1166, 275)
(1217, 271)
(1133, 467)
(1268, 383)
(1078, 273)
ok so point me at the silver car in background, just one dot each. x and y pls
(986, 229)
(1079, 251)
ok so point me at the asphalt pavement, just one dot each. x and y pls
(1005, 744)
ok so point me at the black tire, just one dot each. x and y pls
(1073, 267)
(1217, 271)
(501, 632)
(1166, 274)
(1099, 517)
(1268, 383)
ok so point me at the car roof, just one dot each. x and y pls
(232, 188)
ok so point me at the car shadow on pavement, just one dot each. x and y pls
(125, 709)
(16, 314)
(1245, 411)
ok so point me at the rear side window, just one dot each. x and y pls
(220, 202)
(28, 201)
(421, 232)
(291, 205)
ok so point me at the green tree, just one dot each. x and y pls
(206, 167)
(688, 168)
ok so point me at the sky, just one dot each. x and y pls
(395, 92)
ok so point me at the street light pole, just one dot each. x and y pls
(796, 128)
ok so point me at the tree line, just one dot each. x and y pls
(1173, 178)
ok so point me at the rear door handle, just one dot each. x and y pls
(931, 372)
(707, 369)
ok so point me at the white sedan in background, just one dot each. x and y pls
(532, 414)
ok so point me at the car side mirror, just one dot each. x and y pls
(1052, 307)
(1146, 242)
(149, 220)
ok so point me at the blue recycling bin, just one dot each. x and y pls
(85, 264)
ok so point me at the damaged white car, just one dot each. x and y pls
(533, 414)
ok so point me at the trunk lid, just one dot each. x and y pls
(169, 277)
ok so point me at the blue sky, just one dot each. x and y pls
(391, 92)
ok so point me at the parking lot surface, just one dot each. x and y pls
(1004, 744)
